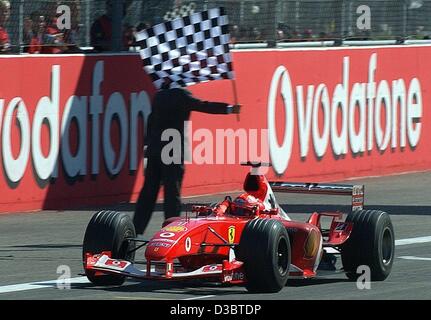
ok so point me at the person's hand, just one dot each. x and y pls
(236, 108)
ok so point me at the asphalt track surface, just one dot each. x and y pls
(34, 245)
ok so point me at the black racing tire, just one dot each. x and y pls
(264, 248)
(371, 243)
(107, 231)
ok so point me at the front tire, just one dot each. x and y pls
(371, 243)
(265, 250)
(108, 231)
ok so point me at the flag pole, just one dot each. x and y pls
(235, 96)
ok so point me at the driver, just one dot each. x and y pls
(246, 205)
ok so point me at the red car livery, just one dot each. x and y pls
(248, 240)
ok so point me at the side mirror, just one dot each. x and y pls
(201, 210)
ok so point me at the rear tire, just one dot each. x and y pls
(371, 243)
(265, 250)
(107, 231)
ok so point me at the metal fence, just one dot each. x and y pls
(109, 25)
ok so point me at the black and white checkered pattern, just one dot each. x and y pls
(180, 12)
(187, 50)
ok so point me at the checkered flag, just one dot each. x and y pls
(178, 12)
(187, 50)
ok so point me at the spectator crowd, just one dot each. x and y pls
(41, 32)
(4, 17)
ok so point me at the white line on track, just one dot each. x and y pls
(403, 242)
(78, 280)
(415, 258)
(200, 297)
(42, 284)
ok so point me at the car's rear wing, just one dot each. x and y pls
(355, 191)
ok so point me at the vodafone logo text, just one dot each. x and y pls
(94, 121)
(356, 117)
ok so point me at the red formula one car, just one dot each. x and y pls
(248, 240)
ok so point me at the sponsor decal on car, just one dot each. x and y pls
(175, 229)
(163, 240)
(231, 234)
(235, 276)
(211, 268)
(167, 234)
(188, 244)
(116, 263)
(160, 244)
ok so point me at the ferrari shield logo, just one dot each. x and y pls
(231, 234)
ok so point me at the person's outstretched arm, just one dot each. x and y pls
(195, 104)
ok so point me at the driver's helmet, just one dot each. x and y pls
(246, 205)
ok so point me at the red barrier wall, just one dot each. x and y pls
(72, 126)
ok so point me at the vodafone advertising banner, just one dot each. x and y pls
(71, 130)
(71, 127)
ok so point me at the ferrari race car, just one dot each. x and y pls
(248, 240)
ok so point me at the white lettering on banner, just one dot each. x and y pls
(371, 94)
(304, 121)
(339, 101)
(77, 109)
(414, 112)
(15, 168)
(140, 106)
(357, 136)
(382, 100)
(321, 142)
(96, 109)
(116, 107)
(47, 109)
(280, 154)
(399, 98)
(371, 99)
